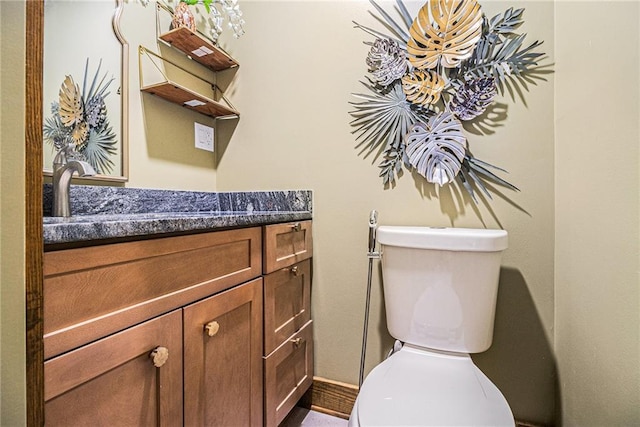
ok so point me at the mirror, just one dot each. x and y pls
(85, 85)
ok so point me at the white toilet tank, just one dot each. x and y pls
(440, 285)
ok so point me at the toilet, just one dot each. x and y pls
(440, 287)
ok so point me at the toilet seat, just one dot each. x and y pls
(422, 387)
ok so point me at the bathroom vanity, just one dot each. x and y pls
(184, 323)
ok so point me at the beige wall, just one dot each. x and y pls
(12, 290)
(597, 297)
(299, 63)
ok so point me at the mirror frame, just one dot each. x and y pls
(124, 101)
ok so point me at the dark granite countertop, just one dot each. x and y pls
(100, 213)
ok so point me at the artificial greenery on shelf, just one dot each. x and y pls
(429, 74)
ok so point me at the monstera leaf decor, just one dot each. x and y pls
(444, 33)
(436, 150)
(71, 106)
(428, 75)
(422, 87)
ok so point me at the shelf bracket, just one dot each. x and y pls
(177, 93)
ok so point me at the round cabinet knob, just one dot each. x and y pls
(212, 328)
(297, 342)
(296, 227)
(159, 356)
(295, 270)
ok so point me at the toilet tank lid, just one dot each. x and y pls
(445, 238)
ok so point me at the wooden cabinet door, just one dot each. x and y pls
(223, 358)
(114, 381)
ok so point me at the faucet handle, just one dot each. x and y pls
(61, 158)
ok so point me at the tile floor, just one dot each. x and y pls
(301, 417)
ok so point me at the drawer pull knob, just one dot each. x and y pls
(296, 227)
(212, 328)
(295, 270)
(159, 356)
(297, 342)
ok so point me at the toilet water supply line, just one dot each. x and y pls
(371, 254)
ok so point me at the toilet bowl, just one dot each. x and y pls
(418, 387)
(440, 288)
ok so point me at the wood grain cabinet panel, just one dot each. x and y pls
(94, 291)
(222, 358)
(287, 303)
(114, 382)
(286, 244)
(288, 374)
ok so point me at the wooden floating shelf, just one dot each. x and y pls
(199, 49)
(180, 95)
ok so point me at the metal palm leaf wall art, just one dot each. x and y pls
(428, 75)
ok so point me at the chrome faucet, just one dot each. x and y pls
(63, 170)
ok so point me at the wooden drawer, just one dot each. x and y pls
(288, 375)
(114, 382)
(92, 292)
(287, 303)
(286, 244)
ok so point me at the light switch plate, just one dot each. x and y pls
(204, 137)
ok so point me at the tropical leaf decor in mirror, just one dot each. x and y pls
(79, 123)
(426, 76)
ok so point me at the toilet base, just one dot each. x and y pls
(421, 387)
